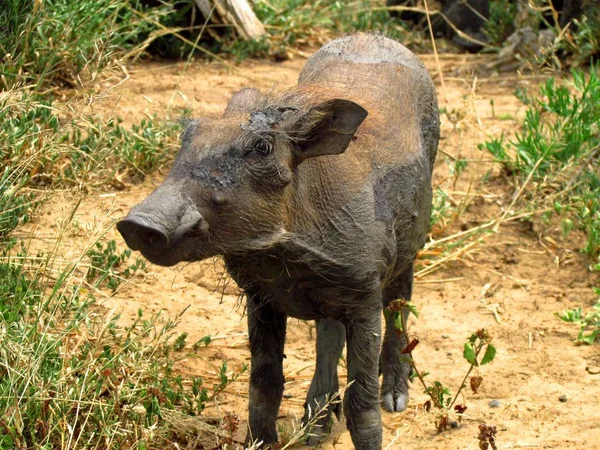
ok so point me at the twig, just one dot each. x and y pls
(435, 52)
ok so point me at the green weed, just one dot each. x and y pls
(478, 351)
(588, 322)
(42, 149)
(553, 160)
(106, 265)
(582, 42)
(70, 373)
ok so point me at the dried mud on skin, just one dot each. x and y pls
(523, 275)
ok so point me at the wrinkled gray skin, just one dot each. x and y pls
(318, 199)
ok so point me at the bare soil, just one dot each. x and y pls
(523, 272)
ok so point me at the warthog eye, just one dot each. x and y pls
(261, 147)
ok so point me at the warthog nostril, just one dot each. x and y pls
(141, 235)
(152, 237)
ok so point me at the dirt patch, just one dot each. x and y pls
(512, 284)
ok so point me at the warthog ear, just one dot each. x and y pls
(245, 100)
(328, 128)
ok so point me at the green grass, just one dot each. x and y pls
(109, 267)
(554, 163)
(69, 372)
(69, 43)
(41, 147)
(583, 45)
(554, 158)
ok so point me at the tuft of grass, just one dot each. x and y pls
(553, 163)
(71, 373)
(582, 40)
(42, 147)
(65, 43)
(554, 159)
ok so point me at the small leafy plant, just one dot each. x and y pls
(106, 265)
(588, 322)
(477, 351)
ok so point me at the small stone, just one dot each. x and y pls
(444, 336)
(594, 370)
(494, 404)
(562, 398)
(453, 424)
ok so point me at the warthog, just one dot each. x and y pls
(318, 199)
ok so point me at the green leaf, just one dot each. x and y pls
(586, 339)
(398, 321)
(204, 341)
(469, 354)
(413, 309)
(490, 354)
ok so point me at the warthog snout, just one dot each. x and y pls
(162, 224)
(140, 234)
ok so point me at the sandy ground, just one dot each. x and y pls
(524, 273)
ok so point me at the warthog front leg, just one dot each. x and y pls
(361, 402)
(331, 337)
(266, 329)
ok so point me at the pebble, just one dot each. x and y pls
(594, 370)
(444, 336)
(562, 398)
(494, 404)
(453, 424)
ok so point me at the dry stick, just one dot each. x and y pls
(437, 59)
(444, 280)
(433, 267)
(189, 58)
(493, 224)
(516, 197)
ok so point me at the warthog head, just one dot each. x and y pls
(229, 187)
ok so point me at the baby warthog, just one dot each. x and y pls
(318, 199)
